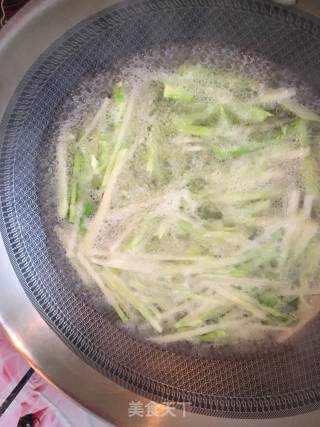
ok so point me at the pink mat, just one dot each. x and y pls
(50, 407)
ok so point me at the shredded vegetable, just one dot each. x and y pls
(191, 200)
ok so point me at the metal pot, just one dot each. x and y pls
(22, 41)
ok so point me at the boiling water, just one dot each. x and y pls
(86, 100)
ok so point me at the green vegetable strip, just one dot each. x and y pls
(213, 336)
(300, 111)
(234, 152)
(74, 190)
(310, 170)
(86, 213)
(195, 332)
(119, 94)
(118, 286)
(176, 93)
(250, 114)
(96, 277)
(62, 180)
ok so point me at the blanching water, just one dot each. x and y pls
(153, 202)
